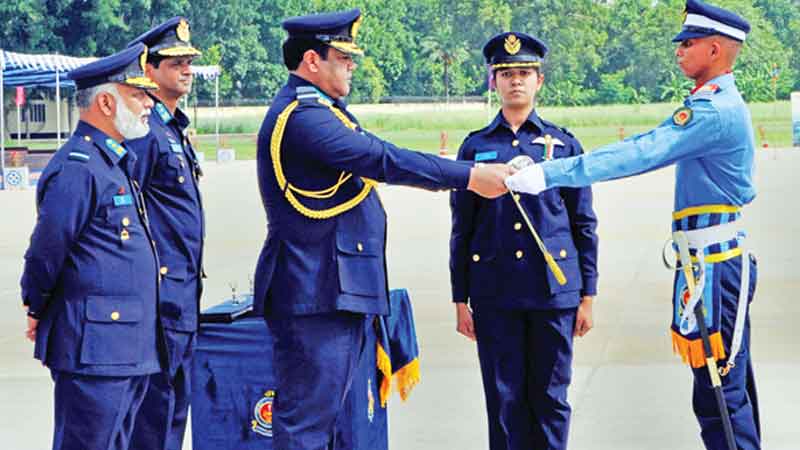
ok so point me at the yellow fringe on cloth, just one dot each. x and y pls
(691, 351)
(385, 367)
(405, 378)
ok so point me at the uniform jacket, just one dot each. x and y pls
(710, 139)
(168, 172)
(310, 265)
(90, 271)
(493, 257)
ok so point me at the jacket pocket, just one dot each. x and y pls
(178, 301)
(566, 256)
(113, 330)
(360, 264)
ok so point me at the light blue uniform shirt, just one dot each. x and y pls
(713, 152)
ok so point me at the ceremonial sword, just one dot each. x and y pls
(519, 163)
(716, 383)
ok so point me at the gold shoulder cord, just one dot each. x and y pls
(290, 190)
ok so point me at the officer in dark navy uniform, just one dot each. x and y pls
(168, 171)
(322, 271)
(90, 281)
(522, 318)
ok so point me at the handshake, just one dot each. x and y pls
(520, 174)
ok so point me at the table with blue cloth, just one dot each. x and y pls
(233, 381)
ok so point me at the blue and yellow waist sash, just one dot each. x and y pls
(710, 234)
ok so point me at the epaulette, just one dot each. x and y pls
(78, 156)
(311, 94)
(562, 129)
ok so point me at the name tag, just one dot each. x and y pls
(123, 200)
(175, 147)
(485, 156)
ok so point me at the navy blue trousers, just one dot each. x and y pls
(526, 364)
(161, 422)
(95, 412)
(315, 360)
(739, 385)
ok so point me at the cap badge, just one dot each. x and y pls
(183, 31)
(512, 44)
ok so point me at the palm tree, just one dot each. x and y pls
(440, 49)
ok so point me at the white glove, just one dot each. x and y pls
(529, 180)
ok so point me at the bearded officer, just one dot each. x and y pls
(710, 139)
(90, 281)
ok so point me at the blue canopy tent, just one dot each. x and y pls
(20, 69)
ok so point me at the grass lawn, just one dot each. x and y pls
(418, 126)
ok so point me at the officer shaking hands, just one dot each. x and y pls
(522, 316)
(168, 172)
(321, 276)
(710, 140)
(90, 280)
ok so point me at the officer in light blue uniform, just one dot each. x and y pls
(322, 271)
(90, 280)
(710, 140)
(524, 320)
(168, 171)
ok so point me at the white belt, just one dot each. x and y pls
(699, 240)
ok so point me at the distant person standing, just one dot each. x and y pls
(522, 318)
(710, 140)
(321, 276)
(90, 281)
(169, 173)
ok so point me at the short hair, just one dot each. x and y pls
(154, 60)
(295, 47)
(85, 97)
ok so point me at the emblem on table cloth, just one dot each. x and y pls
(14, 178)
(370, 401)
(262, 413)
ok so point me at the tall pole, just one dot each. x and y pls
(216, 107)
(58, 107)
(2, 117)
(19, 120)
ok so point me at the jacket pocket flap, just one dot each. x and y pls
(173, 271)
(561, 247)
(353, 245)
(111, 309)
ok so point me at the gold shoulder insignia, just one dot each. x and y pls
(512, 44)
(682, 116)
